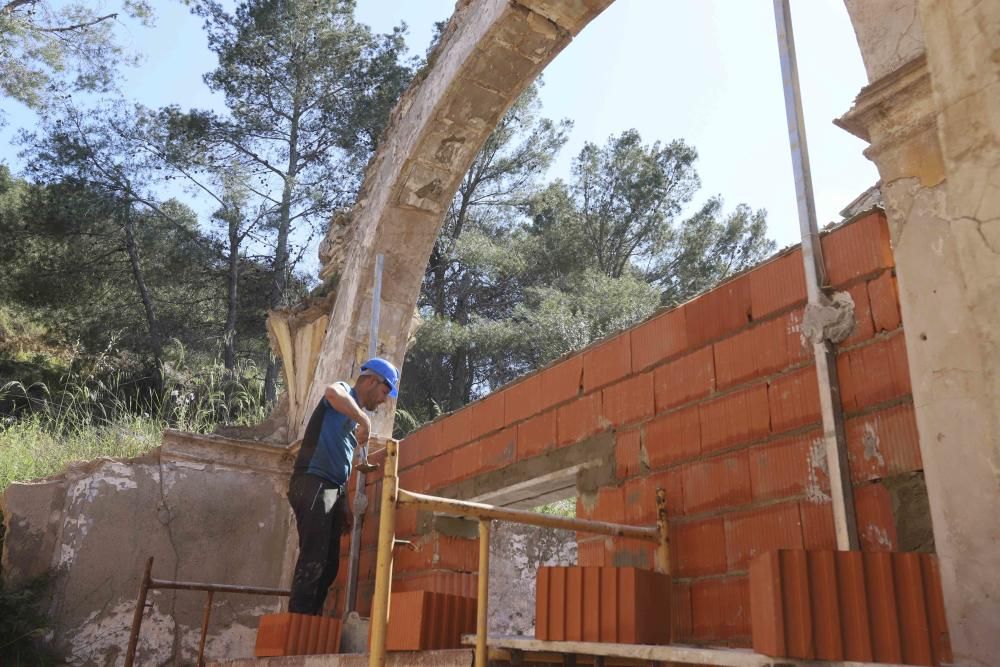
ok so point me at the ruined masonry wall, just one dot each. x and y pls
(206, 508)
(716, 401)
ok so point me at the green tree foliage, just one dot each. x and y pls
(521, 275)
(47, 48)
(308, 91)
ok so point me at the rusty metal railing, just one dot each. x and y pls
(392, 496)
(148, 584)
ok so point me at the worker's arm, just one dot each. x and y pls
(340, 399)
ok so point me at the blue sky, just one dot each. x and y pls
(705, 71)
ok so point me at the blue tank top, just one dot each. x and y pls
(328, 444)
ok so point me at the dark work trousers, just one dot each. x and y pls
(319, 542)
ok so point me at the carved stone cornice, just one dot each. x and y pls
(897, 116)
(219, 451)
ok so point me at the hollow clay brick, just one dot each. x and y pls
(488, 414)
(763, 529)
(536, 435)
(936, 620)
(883, 443)
(856, 249)
(674, 437)
(720, 608)
(561, 381)
(687, 378)
(911, 605)
(818, 531)
(789, 467)
(776, 284)
(795, 595)
(580, 419)
(522, 399)
(543, 583)
(629, 401)
(699, 547)
(825, 605)
(628, 453)
(497, 451)
(294, 631)
(736, 418)
(272, 634)
(794, 400)
(724, 310)
(659, 338)
(456, 429)
(763, 349)
(884, 299)
(627, 605)
(607, 362)
(574, 604)
(767, 610)
(420, 445)
(854, 616)
(723, 481)
(591, 607)
(875, 521)
(883, 614)
(680, 613)
(424, 620)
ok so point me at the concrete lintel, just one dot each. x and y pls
(520, 483)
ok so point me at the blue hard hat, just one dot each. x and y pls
(385, 370)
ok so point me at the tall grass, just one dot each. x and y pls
(88, 414)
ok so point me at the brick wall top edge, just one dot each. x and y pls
(830, 230)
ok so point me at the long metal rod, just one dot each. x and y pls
(383, 566)
(204, 628)
(217, 588)
(360, 498)
(481, 511)
(483, 593)
(834, 435)
(140, 607)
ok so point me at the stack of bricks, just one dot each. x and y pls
(716, 401)
(296, 634)
(424, 621)
(623, 605)
(848, 605)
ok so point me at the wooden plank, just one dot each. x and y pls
(691, 655)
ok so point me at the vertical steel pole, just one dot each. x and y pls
(140, 607)
(826, 362)
(383, 566)
(483, 593)
(360, 498)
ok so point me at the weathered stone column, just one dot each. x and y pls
(934, 128)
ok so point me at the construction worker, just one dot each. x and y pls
(318, 488)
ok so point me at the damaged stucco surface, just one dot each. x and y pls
(202, 508)
(516, 553)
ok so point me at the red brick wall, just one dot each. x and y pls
(716, 401)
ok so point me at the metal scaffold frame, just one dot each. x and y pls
(393, 496)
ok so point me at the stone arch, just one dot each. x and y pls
(932, 116)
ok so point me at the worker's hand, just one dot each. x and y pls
(363, 430)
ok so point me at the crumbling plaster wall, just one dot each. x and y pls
(205, 508)
(932, 116)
